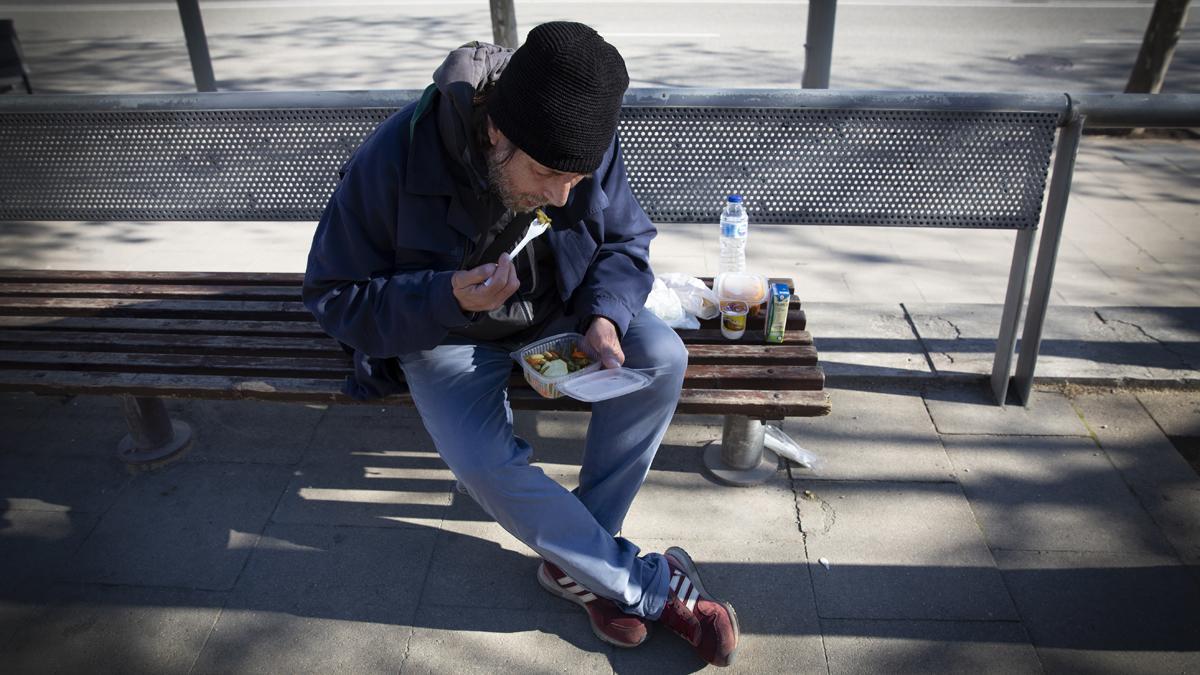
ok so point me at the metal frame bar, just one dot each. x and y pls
(648, 97)
(1043, 273)
(1014, 300)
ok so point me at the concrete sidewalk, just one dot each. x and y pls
(958, 536)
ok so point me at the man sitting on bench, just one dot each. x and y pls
(409, 268)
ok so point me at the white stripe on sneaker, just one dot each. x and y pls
(675, 580)
(575, 588)
(565, 581)
(683, 588)
(691, 601)
(588, 597)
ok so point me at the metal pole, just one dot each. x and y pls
(1043, 273)
(740, 459)
(197, 44)
(504, 23)
(153, 436)
(818, 44)
(1014, 300)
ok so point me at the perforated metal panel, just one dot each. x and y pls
(193, 165)
(840, 167)
(941, 168)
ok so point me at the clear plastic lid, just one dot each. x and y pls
(604, 384)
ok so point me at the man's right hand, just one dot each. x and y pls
(486, 287)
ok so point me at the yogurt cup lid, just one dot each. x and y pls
(604, 384)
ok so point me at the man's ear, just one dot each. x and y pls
(494, 134)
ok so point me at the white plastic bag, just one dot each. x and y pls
(696, 298)
(775, 439)
(666, 305)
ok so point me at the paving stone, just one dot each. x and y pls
(971, 410)
(1177, 412)
(314, 598)
(1076, 343)
(481, 565)
(872, 435)
(36, 545)
(65, 484)
(856, 646)
(79, 426)
(898, 551)
(1159, 477)
(560, 438)
(101, 629)
(1050, 493)
(371, 489)
(1175, 329)
(672, 502)
(258, 432)
(347, 432)
(769, 588)
(1106, 612)
(266, 642)
(856, 341)
(474, 640)
(189, 526)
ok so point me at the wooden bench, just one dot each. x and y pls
(145, 335)
(828, 158)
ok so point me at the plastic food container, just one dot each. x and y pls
(561, 343)
(604, 384)
(749, 288)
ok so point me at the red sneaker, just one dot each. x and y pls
(708, 624)
(609, 623)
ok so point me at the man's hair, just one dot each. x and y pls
(479, 130)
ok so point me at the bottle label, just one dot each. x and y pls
(729, 229)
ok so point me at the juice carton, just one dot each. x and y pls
(778, 298)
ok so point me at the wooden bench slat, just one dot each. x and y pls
(102, 276)
(112, 324)
(218, 307)
(333, 367)
(167, 343)
(149, 291)
(211, 309)
(764, 404)
(798, 345)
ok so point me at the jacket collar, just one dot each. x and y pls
(429, 173)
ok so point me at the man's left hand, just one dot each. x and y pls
(604, 342)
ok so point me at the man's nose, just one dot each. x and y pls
(557, 192)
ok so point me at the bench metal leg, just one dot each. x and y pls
(1043, 272)
(1014, 300)
(740, 459)
(153, 435)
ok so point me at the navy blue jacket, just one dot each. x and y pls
(394, 232)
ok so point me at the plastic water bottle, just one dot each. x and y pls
(735, 227)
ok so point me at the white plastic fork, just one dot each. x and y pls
(537, 228)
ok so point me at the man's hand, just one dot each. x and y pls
(486, 287)
(603, 341)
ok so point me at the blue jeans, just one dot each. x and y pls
(460, 389)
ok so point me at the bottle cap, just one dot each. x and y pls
(737, 199)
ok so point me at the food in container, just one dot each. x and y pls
(563, 344)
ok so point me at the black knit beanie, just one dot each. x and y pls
(559, 96)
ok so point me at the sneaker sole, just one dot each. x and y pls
(685, 561)
(552, 587)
